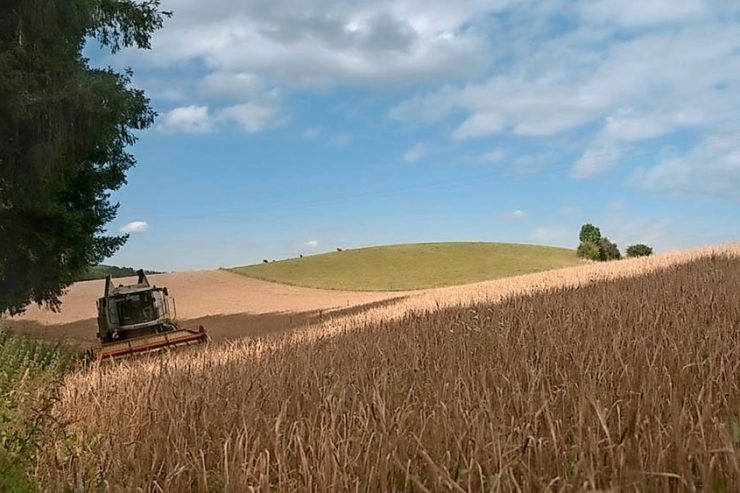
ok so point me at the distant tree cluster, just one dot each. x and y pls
(593, 246)
(639, 250)
(101, 271)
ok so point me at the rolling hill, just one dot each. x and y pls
(411, 266)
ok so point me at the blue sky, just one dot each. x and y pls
(292, 127)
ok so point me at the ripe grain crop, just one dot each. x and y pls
(597, 379)
(496, 290)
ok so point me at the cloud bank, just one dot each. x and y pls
(603, 84)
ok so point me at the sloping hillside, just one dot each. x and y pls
(412, 266)
(624, 380)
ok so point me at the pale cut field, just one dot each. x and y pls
(220, 299)
(203, 293)
(334, 407)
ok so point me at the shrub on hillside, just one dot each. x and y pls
(639, 250)
(609, 250)
(589, 250)
(594, 247)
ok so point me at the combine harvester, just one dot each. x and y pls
(135, 319)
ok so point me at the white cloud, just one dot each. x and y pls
(626, 74)
(233, 85)
(420, 109)
(134, 227)
(641, 13)
(611, 143)
(516, 215)
(528, 164)
(416, 152)
(175, 90)
(572, 80)
(631, 85)
(252, 117)
(328, 43)
(479, 125)
(187, 119)
(711, 168)
(311, 244)
(628, 125)
(597, 159)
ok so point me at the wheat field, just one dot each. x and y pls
(621, 376)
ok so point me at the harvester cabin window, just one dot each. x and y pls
(136, 308)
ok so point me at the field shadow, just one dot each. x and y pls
(219, 327)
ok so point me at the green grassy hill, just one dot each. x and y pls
(412, 266)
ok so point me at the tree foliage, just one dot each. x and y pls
(64, 132)
(589, 250)
(591, 233)
(608, 250)
(595, 247)
(101, 271)
(639, 250)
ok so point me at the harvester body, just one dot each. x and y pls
(135, 319)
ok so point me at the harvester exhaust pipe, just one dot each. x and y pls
(142, 277)
(108, 282)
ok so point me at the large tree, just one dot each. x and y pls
(591, 233)
(65, 128)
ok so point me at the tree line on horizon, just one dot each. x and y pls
(102, 271)
(599, 248)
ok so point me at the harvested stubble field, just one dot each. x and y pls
(228, 305)
(611, 381)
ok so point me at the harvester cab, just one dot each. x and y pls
(135, 319)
